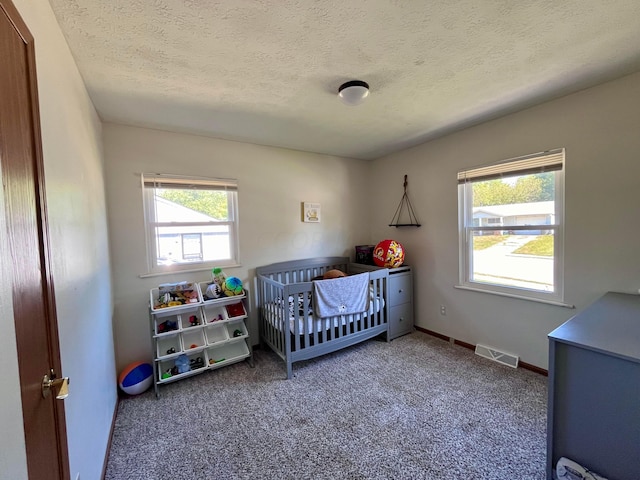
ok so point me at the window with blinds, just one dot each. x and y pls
(191, 222)
(511, 226)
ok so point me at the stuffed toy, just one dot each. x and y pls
(333, 274)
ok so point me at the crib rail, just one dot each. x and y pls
(271, 315)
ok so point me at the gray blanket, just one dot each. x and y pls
(341, 296)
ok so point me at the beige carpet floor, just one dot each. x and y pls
(414, 408)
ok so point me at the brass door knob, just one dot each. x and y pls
(59, 385)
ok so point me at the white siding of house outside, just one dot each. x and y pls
(215, 238)
(533, 213)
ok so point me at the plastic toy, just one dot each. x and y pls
(388, 254)
(136, 378)
(196, 363)
(171, 350)
(232, 286)
(218, 276)
(167, 326)
(182, 364)
(213, 291)
(215, 319)
(191, 296)
(176, 294)
(166, 374)
(238, 333)
(235, 310)
(193, 321)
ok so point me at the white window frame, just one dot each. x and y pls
(552, 160)
(152, 181)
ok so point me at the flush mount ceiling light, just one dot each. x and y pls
(353, 92)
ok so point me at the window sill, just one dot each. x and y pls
(513, 295)
(180, 271)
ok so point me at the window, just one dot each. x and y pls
(191, 223)
(510, 218)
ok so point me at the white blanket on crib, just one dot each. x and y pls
(341, 296)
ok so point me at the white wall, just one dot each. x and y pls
(72, 146)
(599, 128)
(272, 184)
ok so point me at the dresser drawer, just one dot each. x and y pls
(400, 320)
(400, 287)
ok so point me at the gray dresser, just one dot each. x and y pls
(400, 307)
(594, 389)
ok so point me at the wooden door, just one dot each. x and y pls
(25, 213)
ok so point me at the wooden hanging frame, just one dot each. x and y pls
(404, 202)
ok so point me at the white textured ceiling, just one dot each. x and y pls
(267, 72)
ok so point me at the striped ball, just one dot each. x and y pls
(136, 378)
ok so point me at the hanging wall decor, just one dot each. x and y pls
(404, 203)
(310, 212)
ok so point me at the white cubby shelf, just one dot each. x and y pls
(203, 331)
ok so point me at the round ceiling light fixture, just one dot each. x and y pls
(353, 92)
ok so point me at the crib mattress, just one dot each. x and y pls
(315, 324)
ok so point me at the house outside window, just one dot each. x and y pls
(191, 222)
(511, 227)
(192, 246)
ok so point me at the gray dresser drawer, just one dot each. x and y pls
(400, 287)
(401, 320)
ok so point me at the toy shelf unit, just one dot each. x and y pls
(194, 337)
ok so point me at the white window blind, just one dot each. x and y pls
(188, 183)
(550, 161)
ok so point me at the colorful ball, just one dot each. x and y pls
(232, 286)
(388, 254)
(136, 378)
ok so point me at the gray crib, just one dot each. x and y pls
(288, 324)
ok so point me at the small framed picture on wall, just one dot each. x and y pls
(310, 212)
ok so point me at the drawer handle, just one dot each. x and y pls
(400, 291)
(401, 319)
